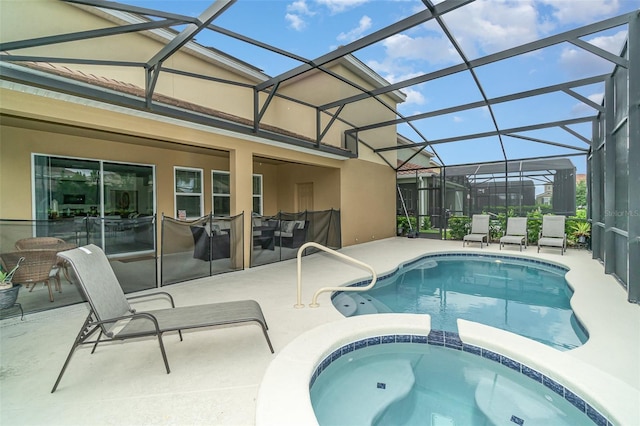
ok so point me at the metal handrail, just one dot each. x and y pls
(314, 301)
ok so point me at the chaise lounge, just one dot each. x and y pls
(479, 230)
(516, 232)
(113, 318)
(552, 234)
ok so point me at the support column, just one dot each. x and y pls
(609, 178)
(241, 172)
(595, 176)
(633, 271)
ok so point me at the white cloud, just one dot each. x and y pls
(457, 119)
(300, 7)
(612, 43)
(337, 6)
(296, 12)
(295, 21)
(356, 33)
(392, 71)
(414, 97)
(482, 27)
(581, 12)
(488, 26)
(578, 62)
(432, 49)
(582, 108)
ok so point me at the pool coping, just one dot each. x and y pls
(283, 397)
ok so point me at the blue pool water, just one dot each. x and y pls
(517, 295)
(418, 384)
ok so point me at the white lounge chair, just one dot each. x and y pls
(479, 230)
(516, 232)
(552, 234)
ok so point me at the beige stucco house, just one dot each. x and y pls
(91, 118)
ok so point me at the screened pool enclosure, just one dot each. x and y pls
(479, 131)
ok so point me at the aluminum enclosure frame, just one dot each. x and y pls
(602, 185)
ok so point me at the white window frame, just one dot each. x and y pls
(260, 196)
(177, 194)
(214, 195)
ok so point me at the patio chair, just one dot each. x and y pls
(479, 230)
(38, 266)
(552, 234)
(112, 316)
(49, 243)
(516, 232)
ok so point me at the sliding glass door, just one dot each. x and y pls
(92, 201)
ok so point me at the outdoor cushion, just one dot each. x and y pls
(287, 226)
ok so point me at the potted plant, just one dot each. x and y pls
(9, 291)
(581, 230)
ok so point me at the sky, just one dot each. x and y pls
(311, 28)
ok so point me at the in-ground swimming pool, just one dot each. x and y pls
(522, 296)
(372, 383)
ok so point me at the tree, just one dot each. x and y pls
(581, 194)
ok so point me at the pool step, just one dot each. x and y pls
(368, 391)
(350, 304)
(505, 402)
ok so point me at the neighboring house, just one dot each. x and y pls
(546, 197)
(418, 180)
(492, 196)
(81, 139)
(561, 194)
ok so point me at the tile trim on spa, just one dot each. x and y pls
(452, 341)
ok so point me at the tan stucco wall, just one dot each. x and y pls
(368, 202)
(325, 186)
(327, 89)
(52, 17)
(17, 145)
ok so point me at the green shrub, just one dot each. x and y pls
(458, 226)
(534, 224)
(403, 223)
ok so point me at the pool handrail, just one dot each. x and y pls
(314, 301)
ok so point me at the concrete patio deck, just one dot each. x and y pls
(216, 373)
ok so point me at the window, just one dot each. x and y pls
(188, 193)
(221, 193)
(257, 194)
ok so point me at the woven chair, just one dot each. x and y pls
(38, 266)
(48, 243)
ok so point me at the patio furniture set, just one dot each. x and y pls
(552, 233)
(211, 242)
